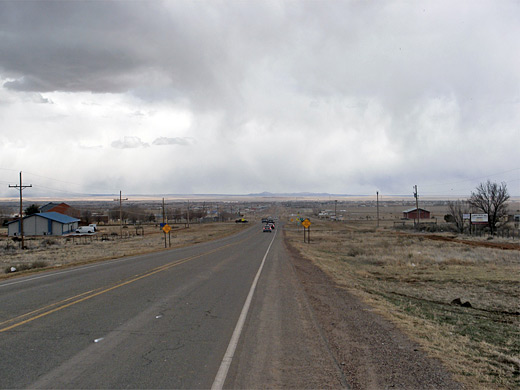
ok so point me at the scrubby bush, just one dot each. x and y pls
(48, 242)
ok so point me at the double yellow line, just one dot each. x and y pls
(57, 306)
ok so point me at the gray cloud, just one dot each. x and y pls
(129, 143)
(172, 141)
(359, 88)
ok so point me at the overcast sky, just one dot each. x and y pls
(238, 97)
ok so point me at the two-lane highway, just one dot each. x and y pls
(163, 320)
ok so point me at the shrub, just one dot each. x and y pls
(48, 242)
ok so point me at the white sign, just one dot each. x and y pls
(479, 218)
(465, 217)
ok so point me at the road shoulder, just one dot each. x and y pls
(282, 345)
(372, 352)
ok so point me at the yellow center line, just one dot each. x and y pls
(94, 293)
(44, 307)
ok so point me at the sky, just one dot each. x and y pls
(240, 97)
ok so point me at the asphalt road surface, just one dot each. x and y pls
(167, 320)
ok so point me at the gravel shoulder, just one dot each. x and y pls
(282, 345)
(371, 351)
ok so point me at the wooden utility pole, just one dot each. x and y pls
(21, 188)
(416, 195)
(377, 205)
(188, 213)
(163, 216)
(120, 213)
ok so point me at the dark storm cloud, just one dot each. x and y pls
(160, 50)
(209, 53)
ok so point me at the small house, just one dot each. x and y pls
(413, 214)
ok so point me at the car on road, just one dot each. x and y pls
(241, 220)
(267, 229)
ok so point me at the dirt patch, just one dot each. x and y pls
(483, 244)
(372, 352)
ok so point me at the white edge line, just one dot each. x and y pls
(218, 383)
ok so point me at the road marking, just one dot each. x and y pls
(44, 307)
(94, 293)
(218, 383)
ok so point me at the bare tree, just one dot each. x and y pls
(135, 213)
(114, 214)
(457, 210)
(174, 215)
(86, 216)
(491, 198)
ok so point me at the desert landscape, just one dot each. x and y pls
(456, 295)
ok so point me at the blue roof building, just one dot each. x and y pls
(44, 224)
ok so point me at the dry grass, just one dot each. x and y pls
(60, 251)
(413, 281)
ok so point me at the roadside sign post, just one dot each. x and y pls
(167, 229)
(477, 219)
(306, 229)
(466, 217)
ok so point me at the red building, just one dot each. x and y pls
(62, 208)
(413, 214)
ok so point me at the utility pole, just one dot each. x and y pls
(416, 195)
(188, 213)
(21, 188)
(377, 205)
(335, 210)
(163, 216)
(120, 213)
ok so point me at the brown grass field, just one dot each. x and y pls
(413, 280)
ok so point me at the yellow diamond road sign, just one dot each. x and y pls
(306, 223)
(166, 228)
